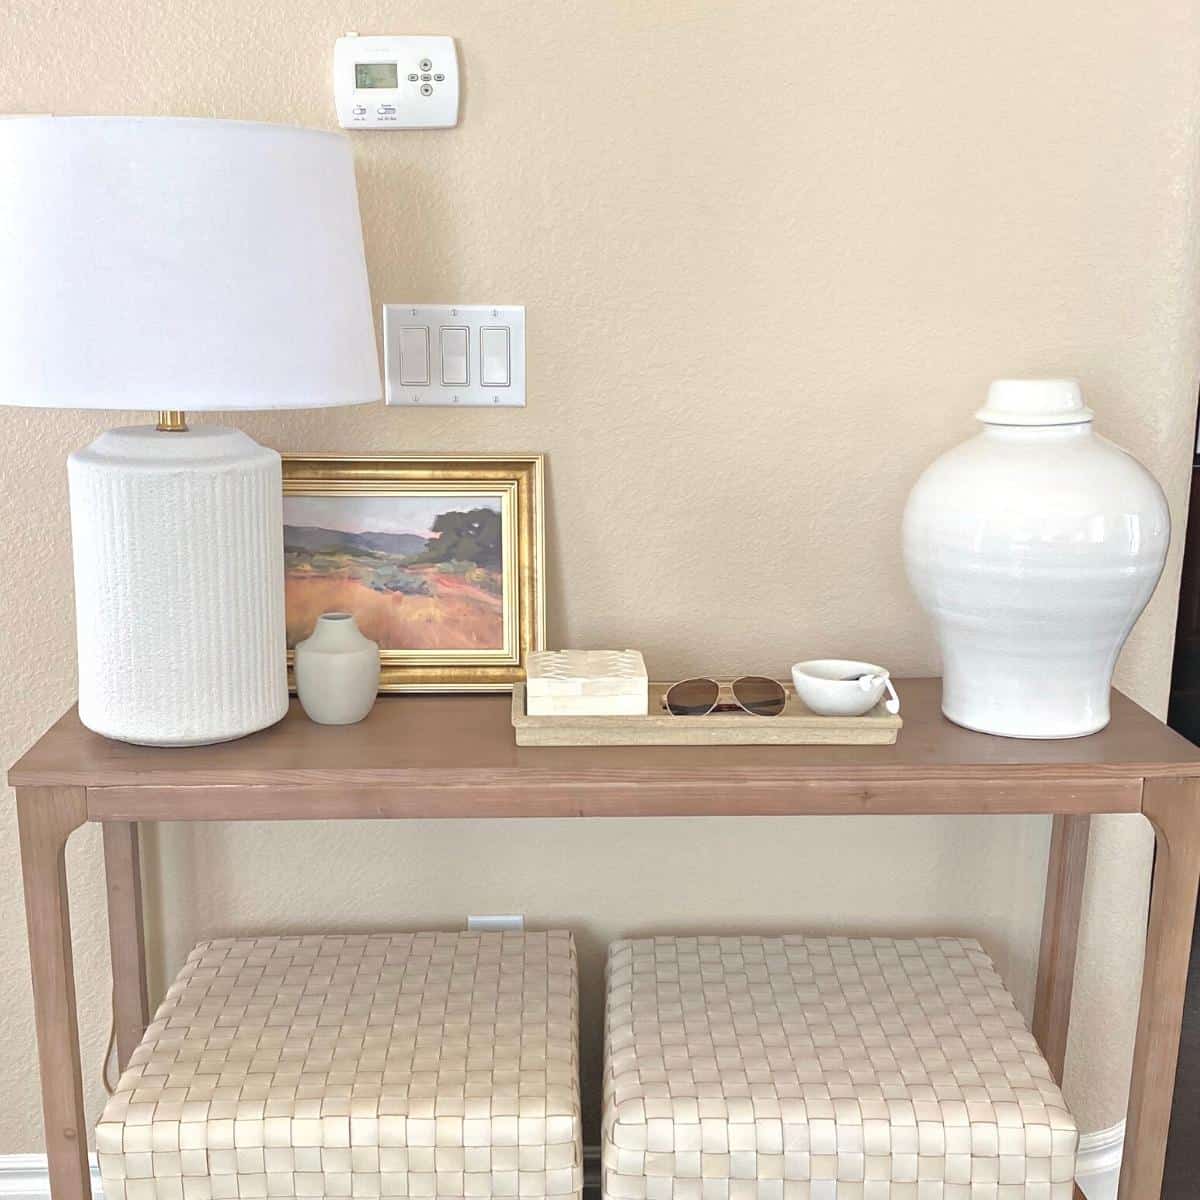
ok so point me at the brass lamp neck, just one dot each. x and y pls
(171, 421)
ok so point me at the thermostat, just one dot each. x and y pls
(395, 82)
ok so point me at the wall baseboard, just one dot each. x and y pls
(24, 1177)
(1098, 1166)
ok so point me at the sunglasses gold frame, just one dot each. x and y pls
(724, 686)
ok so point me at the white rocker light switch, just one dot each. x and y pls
(414, 356)
(456, 370)
(494, 356)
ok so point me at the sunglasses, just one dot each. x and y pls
(753, 694)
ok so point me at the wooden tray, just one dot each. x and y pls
(795, 726)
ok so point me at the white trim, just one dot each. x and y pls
(24, 1176)
(1098, 1165)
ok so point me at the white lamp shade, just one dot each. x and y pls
(164, 263)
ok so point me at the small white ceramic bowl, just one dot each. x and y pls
(841, 687)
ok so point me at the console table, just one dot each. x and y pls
(454, 756)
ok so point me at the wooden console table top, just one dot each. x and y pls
(431, 756)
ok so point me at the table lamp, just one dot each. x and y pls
(180, 265)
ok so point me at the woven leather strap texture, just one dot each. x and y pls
(806, 1068)
(431, 1064)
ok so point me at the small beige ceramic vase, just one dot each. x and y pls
(337, 671)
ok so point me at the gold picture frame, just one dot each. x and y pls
(384, 579)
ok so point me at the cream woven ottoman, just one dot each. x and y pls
(429, 1064)
(796, 1068)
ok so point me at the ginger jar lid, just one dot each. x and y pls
(1035, 402)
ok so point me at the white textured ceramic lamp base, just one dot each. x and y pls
(178, 541)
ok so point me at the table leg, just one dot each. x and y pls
(1173, 807)
(127, 945)
(1060, 937)
(46, 817)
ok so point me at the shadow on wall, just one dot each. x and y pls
(603, 881)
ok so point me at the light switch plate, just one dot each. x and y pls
(395, 82)
(455, 355)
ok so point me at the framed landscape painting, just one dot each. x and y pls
(438, 558)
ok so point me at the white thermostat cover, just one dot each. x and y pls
(395, 82)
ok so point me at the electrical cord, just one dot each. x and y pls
(109, 1088)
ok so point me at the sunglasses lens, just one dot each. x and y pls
(692, 697)
(759, 695)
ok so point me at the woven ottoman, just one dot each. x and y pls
(798, 1068)
(429, 1064)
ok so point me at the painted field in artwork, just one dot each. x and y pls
(419, 572)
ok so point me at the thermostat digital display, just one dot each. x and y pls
(376, 75)
(396, 82)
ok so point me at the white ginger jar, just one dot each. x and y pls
(1033, 546)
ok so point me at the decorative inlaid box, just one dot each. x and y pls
(585, 683)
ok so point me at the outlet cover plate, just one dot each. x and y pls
(496, 924)
(420, 343)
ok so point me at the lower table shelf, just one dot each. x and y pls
(455, 756)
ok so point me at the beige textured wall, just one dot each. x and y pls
(772, 252)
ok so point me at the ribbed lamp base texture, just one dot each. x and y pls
(178, 541)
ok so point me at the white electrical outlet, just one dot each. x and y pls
(514, 922)
(464, 355)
